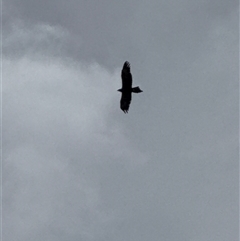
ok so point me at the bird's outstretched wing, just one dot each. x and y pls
(125, 101)
(126, 76)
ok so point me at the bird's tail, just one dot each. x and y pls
(136, 90)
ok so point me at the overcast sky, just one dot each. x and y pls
(75, 167)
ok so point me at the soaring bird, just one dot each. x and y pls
(127, 88)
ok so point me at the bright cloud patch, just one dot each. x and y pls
(56, 137)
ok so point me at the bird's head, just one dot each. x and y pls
(120, 90)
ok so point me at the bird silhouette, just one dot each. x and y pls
(127, 88)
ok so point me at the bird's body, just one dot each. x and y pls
(127, 88)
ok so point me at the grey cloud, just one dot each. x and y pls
(55, 135)
(112, 31)
(75, 167)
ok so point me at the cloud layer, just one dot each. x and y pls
(74, 166)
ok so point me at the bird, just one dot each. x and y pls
(127, 88)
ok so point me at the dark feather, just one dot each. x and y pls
(125, 101)
(126, 77)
